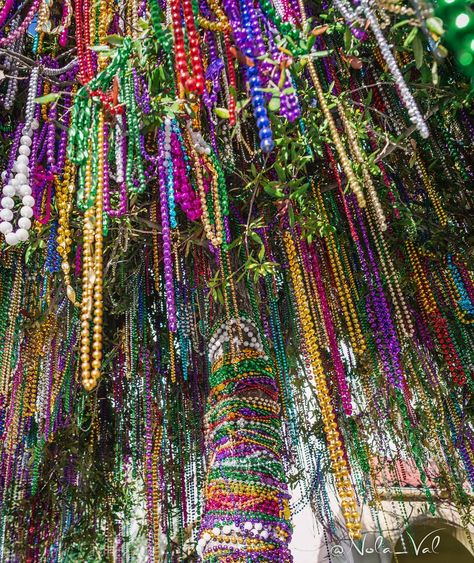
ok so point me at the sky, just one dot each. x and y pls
(304, 544)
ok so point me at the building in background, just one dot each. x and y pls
(402, 530)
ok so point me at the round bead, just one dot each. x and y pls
(28, 201)
(6, 214)
(22, 159)
(6, 227)
(25, 190)
(22, 234)
(12, 238)
(267, 145)
(7, 203)
(24, 223)
(25, 141)
(26, 211)
(8, 190)
(22, 168)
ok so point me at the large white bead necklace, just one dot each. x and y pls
(18, 185)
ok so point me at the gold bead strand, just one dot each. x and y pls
(345, 163)
(156, 488)
(214, 236)
(427, 300)
(343, 291)
(442, 216)
(8, 342)
(402, 314)
(348, 308)
(155, 243)
(336, 454)
(354, 145)
(172, 358)
(87, 279)
(215, 197)
(64, 192)
(314, 303)
(98, 257)
(350, 275)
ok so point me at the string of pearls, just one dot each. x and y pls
(19, 184)
(11, 64)
(119, 159)
(57, 71)
(405, 94)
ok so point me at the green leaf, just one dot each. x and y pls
(273, 191)
(435, 25)
(242, 103)
(280, 171)
(114, 39)
(223, 113)
(102, 49)
(320, 54)
(410, 37)
(29, 252)
(253, 235)
(48, 98)
(347, 38)
(291, 215)
(281, 81)
(418, 51)
(400, 24)
(311, 42)
(368, 99)
(274, 104)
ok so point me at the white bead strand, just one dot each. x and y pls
(405, 94)
(18, 185)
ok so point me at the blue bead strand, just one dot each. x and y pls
(256, 94)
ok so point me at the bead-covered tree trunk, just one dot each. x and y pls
(246, 515)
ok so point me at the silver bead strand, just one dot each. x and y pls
(350, 14)
(12, 64)
(405, 94)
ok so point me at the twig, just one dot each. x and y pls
(389, 147)
(394, 146)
